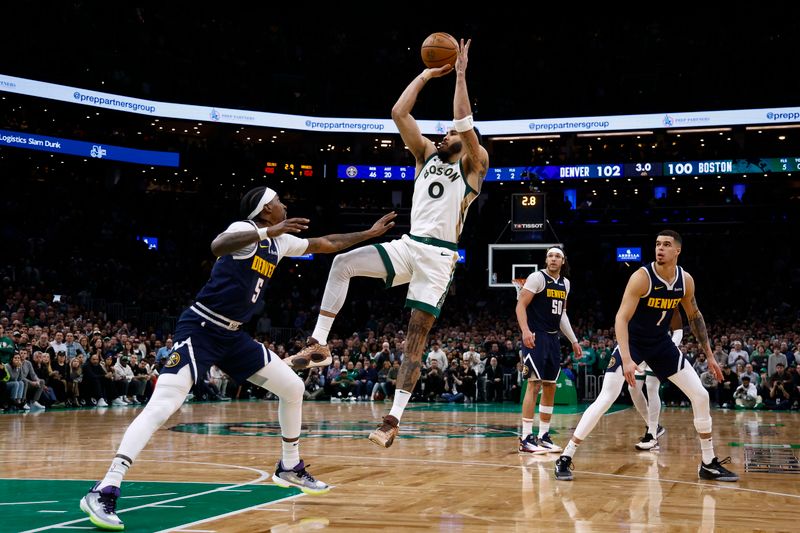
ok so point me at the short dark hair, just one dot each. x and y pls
(670, 233)
(250, 201)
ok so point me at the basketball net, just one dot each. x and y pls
(518, 283)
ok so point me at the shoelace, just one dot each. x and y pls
(109, 502)
(571, 465)
(305, 475)
(725, 461)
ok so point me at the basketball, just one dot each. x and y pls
(439, 49)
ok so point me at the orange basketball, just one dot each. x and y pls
(439, 49)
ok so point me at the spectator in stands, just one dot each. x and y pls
(164, 351)
(494, 381)
(737, 354)
(72, 348)
(746, 394)
(58, 377)
(467, 375)
(749, 372)
(94, 382)
(726, 388)
(438, 355)
(57, 345)
(74, 380)
(123, 375)
(15, 385)
(700, 364)
(775, 359)
(434, 380)
(7, 347)
(33, 386)
(779, 389)
(314, 389)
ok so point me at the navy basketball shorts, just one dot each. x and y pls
(662, 356)
(201, 344)
(543, 362)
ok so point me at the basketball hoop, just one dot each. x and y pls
(518, 283)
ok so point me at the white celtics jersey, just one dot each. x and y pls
(441, 199)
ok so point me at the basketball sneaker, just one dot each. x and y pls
(660, 431)
(546, 442)
(564, 468)
(648, 442)
(385, 434)
(314, 354)
(714, 470)
(531, 444)
(101, 506)
(298, 477)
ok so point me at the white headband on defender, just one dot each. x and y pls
(556, 250)
(269, 194)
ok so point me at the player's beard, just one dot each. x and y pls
(445, 153)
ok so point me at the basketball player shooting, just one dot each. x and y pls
(447, 180)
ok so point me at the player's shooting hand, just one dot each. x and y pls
(384, 224)
(461, 60)
(629, 370)
(290, 225)
(529, 339)
(437, 72)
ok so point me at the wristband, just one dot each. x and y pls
(463, 124)
(262, 233)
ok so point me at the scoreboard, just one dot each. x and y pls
(594, 171)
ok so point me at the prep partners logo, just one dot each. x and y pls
(354, 430)
(668, 121)
(214, 115)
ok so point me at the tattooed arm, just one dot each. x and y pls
(698, 325)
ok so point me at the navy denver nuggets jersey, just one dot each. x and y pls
(239, 280)
(544, 312)
(651, 319)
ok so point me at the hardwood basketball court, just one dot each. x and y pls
(455, 468)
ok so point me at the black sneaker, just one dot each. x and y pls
(648, 442)
(714, 470)
(564, 468)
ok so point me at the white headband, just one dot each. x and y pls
(556, 250)
(269, 194)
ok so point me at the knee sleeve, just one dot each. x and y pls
(278, 378)
(612, 386)
(168, 396)
(689, 382)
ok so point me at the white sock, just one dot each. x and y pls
(323, 328)
(654, 403)
(291, 454)
(119, 467)
(527, 427)
(571, 448)
(707, 447)
(544, 427)
(401, 398)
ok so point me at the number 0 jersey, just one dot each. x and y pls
(651, 320)
(238, 280)
(544, 312)
(441, 199)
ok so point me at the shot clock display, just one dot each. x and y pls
(527, 212)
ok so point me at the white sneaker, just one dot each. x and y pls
(37, 405)
(530, 444)
(102, 403)
(117, 402)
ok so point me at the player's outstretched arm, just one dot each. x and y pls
(228, 242)
(420, 147)
(333, 243)
(476, 160)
